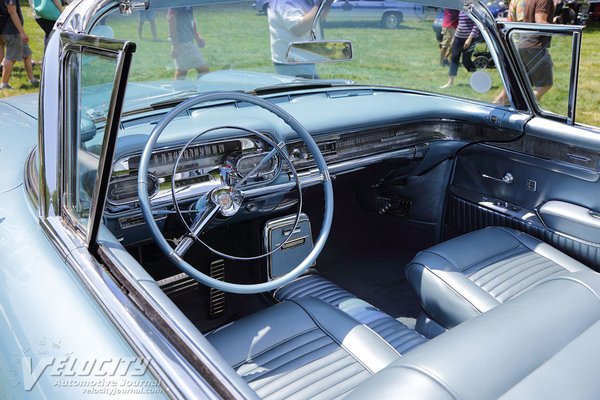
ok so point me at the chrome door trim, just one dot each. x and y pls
(508, 27)
(181, 333)
(171, 370)
(503, 58)
(575, 58)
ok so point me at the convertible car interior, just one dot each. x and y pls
(381, 288)
(296, 238)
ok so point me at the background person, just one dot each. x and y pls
(45, 24)
(182, 34)
(143, 16)
(533, 49)
(2, 45)
(291, 21)
(516, 13)
(463, 43)
(16, 48)
(449, 25)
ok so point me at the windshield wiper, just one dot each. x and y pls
(286, 87)
(173, 98)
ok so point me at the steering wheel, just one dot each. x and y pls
(226, 200)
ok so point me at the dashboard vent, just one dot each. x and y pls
(217, 297)
(177, 284)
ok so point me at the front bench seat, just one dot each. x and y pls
(301, 349)
(399, 336)
(540, 345)
(470, 274)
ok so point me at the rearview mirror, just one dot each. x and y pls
(319, 51)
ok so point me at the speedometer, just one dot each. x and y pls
(245, 163)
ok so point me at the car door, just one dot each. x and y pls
(372, 10)
(546, 183)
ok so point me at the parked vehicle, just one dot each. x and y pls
(261, 6)
(390, 13)
(243, 234)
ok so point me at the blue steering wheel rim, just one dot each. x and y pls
(142, 186)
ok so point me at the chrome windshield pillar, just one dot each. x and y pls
(499, 51)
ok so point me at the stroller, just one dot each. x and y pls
(482, 58)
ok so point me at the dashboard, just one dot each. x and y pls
(210, 162)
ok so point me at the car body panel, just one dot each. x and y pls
(15, 117)
(51, 330)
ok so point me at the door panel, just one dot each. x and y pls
(464, 216)
(571, 219)
(535, 180)
(560, 193)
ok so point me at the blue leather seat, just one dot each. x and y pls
(542, 344)
(302, 348)
(473, 273)
(399, 336)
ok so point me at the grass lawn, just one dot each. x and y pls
(18, 79)
(405, 57)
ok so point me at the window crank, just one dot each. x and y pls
(507, 178)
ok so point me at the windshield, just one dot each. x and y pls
(242, 46)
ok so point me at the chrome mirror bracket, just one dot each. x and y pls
(127, 7)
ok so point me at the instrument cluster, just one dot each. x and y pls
(201, 168)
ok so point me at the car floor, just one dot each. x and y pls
(366, 254)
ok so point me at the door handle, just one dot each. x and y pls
(507, 178)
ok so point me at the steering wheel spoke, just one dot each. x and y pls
(196, 229)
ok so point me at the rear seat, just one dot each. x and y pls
(399, 336)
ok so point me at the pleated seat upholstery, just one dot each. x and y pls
(468, 275)
(399, 336)
(302, 349)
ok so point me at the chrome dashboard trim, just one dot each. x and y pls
(121, 169)
(313, 176)
(309, 177)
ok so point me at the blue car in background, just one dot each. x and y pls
(389, 13)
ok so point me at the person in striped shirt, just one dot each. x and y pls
(465, 39)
